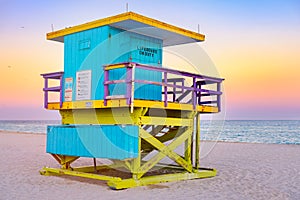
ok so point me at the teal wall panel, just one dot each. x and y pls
(94, 48)
(97, 141)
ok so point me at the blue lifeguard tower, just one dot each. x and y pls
(117, 102)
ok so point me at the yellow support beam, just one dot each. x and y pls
(64, 161)
(136, 163)
(170, 135)
(165, 121)
(188, 149)
(181, 125)
(49, 171)
(129, 183)
(101, 116)
(197, 148)
(87, 169)
(139, 168)
(119, 183)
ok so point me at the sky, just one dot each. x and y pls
(255, 46)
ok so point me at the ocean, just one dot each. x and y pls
(252, 131)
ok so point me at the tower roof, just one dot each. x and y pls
(130, 21)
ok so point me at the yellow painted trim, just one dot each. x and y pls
(137, 103)
(88, 169)
(150, 120)
(123, 17)
(119, 183)
(160, 104)
(168, 27)
(116, 66)
(101, 116)
(130, 183)
(47, 170)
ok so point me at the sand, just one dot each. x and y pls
(246, 171)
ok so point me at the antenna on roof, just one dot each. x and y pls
(126, 7)
(198, 28)
(52, 27)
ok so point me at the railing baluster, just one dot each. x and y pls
(106, 78)
(199, 92)
(219, 97)
(132, 86)
(45, 92)
(60, 92)
(194, 93)
(165, 89)
(128, 84)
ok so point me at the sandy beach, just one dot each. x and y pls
(245, 171)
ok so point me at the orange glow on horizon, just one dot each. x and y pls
(256, 52)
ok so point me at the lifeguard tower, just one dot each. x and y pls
(117, 102)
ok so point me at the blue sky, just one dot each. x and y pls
(254, 44)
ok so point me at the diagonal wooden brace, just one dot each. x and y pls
(166, 137)
(65, 161)
(165, 151)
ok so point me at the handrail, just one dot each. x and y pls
(46, 89)
(160, 69)
(196, 88)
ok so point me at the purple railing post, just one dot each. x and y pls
(199, 92)
(106, 78)
(45, 92)
(219, 97)
(132, 65)
(194, 99)
(128, 84)
(60, 91)
(166, 89)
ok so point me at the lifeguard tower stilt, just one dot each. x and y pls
(118, 103)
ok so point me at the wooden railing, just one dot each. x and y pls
(46, 89)
(191, 94)
(177, 87)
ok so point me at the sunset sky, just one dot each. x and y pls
(255, 46)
